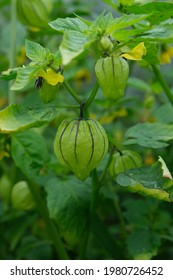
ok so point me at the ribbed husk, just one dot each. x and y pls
(80, 145)
(112, 74)
(128, 160)
(34, 13)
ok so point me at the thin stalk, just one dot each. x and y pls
(163, 83)
(12, 52)
(120, 217)
(93, 206)
(50, 227)
(72, 92)
(102, 177)
(92, 95)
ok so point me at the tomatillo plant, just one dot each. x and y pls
(76, 146)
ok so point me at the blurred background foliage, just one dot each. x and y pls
(127, 225)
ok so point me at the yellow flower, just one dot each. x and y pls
(165, 56)
(51, 76)
(136, 53)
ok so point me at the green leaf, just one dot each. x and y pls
(102, 22)
(68, 204)
(72, 45)
(147, 181)
(8, 75)
(35, 51)
(159, 11)
(164, 114)
(153, 135)
(143, 243)
(152, 53)
(24, 76)
(69, 24)
(17, 117)
(149, 176)
(123, 35)
(148, 222)
(30, 154)
(160, 33)
(125, 21)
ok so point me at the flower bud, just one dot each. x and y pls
(21, 196)
(80, 145)
(48, 92)
(105, 44)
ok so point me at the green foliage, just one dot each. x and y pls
(124, 216)
(30, 154)
(153, 135)
(145, 237)
(18, 117)
(148, 181)
(68, 204)
(159, 11)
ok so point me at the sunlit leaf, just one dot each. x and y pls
(24, 76)
(72, 45)
(17, 117)
(159, 11)
(35, 51)
(125, 21)
(71, 24)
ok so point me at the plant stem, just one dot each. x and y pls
(92, 95)
(120, 217)
(72, 92)
(12, 52)
(93, 206)
(50, 227)
(106, 167)
(163, 83)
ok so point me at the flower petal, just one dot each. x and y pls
(51, 76)
(136, 53)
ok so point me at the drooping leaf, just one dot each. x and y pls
(159, 11)
(68, 204)
(17, 117)
(24, 76)
(153, 135)
(35, 51)
(30, 154)
(147, 181)
(72, 45)
(69, 24)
